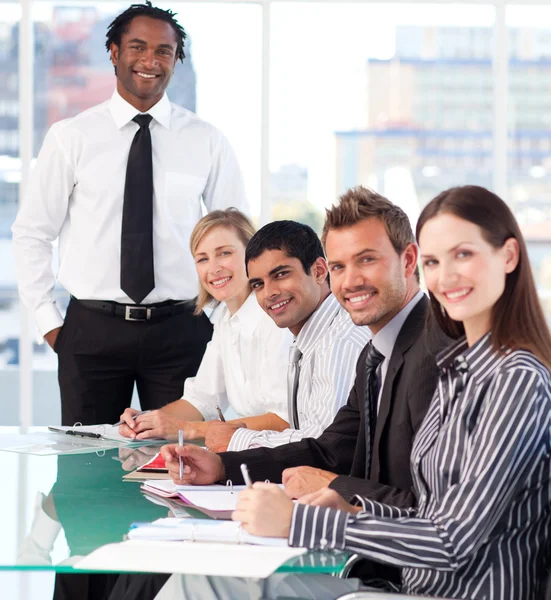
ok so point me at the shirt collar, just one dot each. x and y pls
(123, 112)
(385, 339)
(248, 315)
(318, 323)
(480, 359)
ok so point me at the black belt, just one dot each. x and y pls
(132, 312)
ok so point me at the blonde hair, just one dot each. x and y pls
(231, 218)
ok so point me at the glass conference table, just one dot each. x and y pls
(56, 509)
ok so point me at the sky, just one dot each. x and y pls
(317, 84)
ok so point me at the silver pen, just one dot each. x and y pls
(181, 445)
(246, 476)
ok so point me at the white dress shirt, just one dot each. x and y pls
(76, 193)
(385, 339)
(330, 344)
(244, 366)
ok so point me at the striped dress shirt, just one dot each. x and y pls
(330, 344)
(481, 466)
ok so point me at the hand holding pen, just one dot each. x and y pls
(133, 416)
(263, 508)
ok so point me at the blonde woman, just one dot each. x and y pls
(245, 364)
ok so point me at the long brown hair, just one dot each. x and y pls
(231, 218)
(517, 319)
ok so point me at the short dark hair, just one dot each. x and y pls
(121, 22)
(296, 240)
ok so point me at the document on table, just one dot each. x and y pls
(191, 558)
(103, 432)
(46, 444)
(199, 530)
(166, 488)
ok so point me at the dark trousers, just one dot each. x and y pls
(101, 356)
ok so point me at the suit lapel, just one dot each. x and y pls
(411, 330)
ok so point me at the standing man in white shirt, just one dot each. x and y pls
(121, 185)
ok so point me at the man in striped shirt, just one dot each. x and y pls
(288, 272)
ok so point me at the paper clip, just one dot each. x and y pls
(230, 485)
(100, 453)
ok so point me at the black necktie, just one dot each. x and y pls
(137, 276)
(372, 361)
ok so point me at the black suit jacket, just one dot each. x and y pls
(408, 388)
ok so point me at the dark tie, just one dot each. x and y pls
(372, 361)
(137, 276)
(293, 373)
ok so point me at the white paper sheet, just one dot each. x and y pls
(192, 558)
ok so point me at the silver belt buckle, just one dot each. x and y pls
(128, 313)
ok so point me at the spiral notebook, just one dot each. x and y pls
(101, 432)
(199, 530)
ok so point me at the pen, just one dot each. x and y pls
(97, 436)
(220, 415)
(144, 412)
(246, 476)
(181, 443)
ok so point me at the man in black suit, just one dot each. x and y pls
(373, 268)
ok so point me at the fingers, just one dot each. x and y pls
(149, 433)
(126, 431)
(170, 453)
(145, 422)
(127, 417)
(288, 473)
(310, 498)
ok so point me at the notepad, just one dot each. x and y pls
(166, 488)
(199, 530)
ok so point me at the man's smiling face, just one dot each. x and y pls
(145, 61)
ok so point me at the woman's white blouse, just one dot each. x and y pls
(244, 365)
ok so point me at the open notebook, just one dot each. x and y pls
(101, 432)
(199, 530)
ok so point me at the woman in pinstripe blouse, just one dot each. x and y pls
(481, 461)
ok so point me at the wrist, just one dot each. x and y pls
(221, 469)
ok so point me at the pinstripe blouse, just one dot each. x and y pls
(330, 344)
(481, 466)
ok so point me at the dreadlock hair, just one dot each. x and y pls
(121, 22)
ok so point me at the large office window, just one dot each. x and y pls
(529, 160)
(399, 97)
(10, 173)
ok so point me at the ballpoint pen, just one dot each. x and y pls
(246, 476)
(143, 412)
(220, 414)
(180, 444)
(89, 434)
